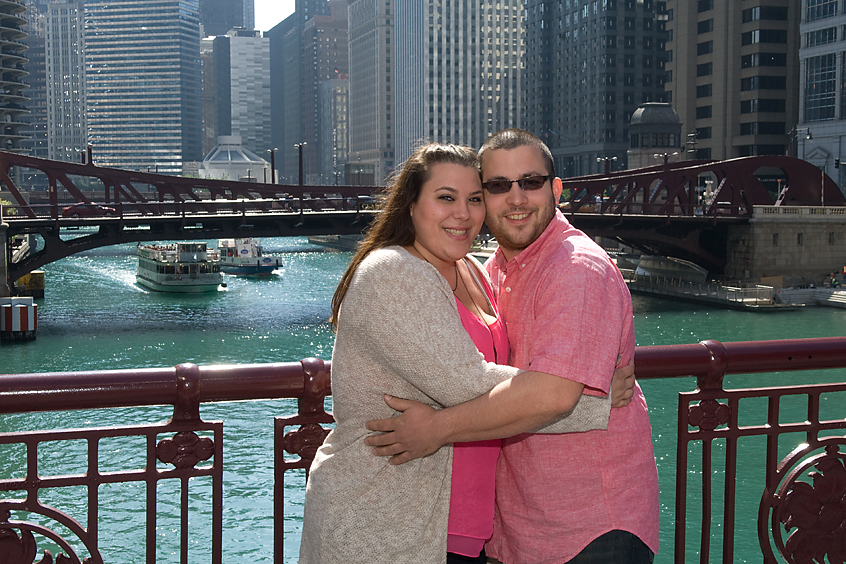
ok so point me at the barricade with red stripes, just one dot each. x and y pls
(18, 319)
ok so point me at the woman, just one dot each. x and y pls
(399, 332)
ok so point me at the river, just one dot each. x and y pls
(95, 317)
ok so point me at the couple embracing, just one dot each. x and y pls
(474, 403)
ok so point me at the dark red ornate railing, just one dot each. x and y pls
(803, 495)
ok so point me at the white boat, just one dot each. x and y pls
(179, 267)
(245, 257)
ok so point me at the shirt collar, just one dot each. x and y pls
(558, 223)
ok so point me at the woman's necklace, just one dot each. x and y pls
(454, 265)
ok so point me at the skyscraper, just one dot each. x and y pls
(457, 69)
(589, 65)
(822, 77)
(735, 74)
(371, 27)
(219, 16)
(242, 87)
(65, 84)
(13, 101)
(143, 83)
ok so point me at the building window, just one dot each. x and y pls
(763, 83)
(705, 5)
(703, 132)
(703, 112)
(774, 105)
(819, 9)
(703, 91)
(762, 128)
(831, 238)
(821, 37)
(799, 239)
(777, 13)
(764, 36)
(820, 87)
(705, 47)
(705, 26)
(703, 154)
(763, 60)
(775, 239)
(705, 69)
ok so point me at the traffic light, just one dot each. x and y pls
(836, 163)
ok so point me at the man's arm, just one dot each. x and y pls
(516, 406)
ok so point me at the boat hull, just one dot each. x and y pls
(254, 269)
(178, 287)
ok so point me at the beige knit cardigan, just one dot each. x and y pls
(399, 333)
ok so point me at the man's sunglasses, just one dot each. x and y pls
(527, 184)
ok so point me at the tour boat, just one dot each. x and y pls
(188, 267)
(245, 257)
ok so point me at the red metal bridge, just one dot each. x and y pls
(679, 209)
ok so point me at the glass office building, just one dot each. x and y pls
(142, 70)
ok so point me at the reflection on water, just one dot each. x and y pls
(94, 317)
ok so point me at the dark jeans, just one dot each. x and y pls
(453, 558)
(615, 547)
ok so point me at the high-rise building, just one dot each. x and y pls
(65, 84)
(735, 74)
(242, 88)
(325, 52)
(142, 71)
(457, 67)
(288, 73)
(588, 66)
(219, 16)
(13, 64)
(371, 27)
(822, 91)
(333, 115)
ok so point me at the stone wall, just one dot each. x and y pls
(799, 243)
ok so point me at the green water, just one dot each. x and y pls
(94, 317)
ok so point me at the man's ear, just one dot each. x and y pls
(557, 188)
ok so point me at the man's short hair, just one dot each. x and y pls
(511, 139)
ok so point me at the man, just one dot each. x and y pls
(579, 497)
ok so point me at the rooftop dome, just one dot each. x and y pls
(655, 113)
(229, 150)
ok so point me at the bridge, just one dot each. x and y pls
(679, 209)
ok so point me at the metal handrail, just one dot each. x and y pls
(706, 414)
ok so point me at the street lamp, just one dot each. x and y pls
(793, 137)
(607, 163)
(273, 164)
(300, 146)
(665, 156)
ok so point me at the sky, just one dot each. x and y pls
(271, 12)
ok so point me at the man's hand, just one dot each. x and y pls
(411, 434)
(622, 385)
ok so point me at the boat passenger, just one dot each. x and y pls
(409, 291)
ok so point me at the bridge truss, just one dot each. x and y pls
(678, 209)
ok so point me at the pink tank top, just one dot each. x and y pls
(471, 508)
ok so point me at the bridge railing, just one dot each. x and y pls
(288, 204)
(801, 492)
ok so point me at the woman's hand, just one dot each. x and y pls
(411, 434)
(622, 385)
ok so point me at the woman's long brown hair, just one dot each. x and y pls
(393, 225)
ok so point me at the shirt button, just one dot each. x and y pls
(522, 266)
(508, 289)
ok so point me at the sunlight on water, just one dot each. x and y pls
(95, 317)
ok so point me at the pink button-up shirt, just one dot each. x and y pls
(569, 313)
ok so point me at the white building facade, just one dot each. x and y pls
(458, 68)
(66, 123)
(249, 83)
